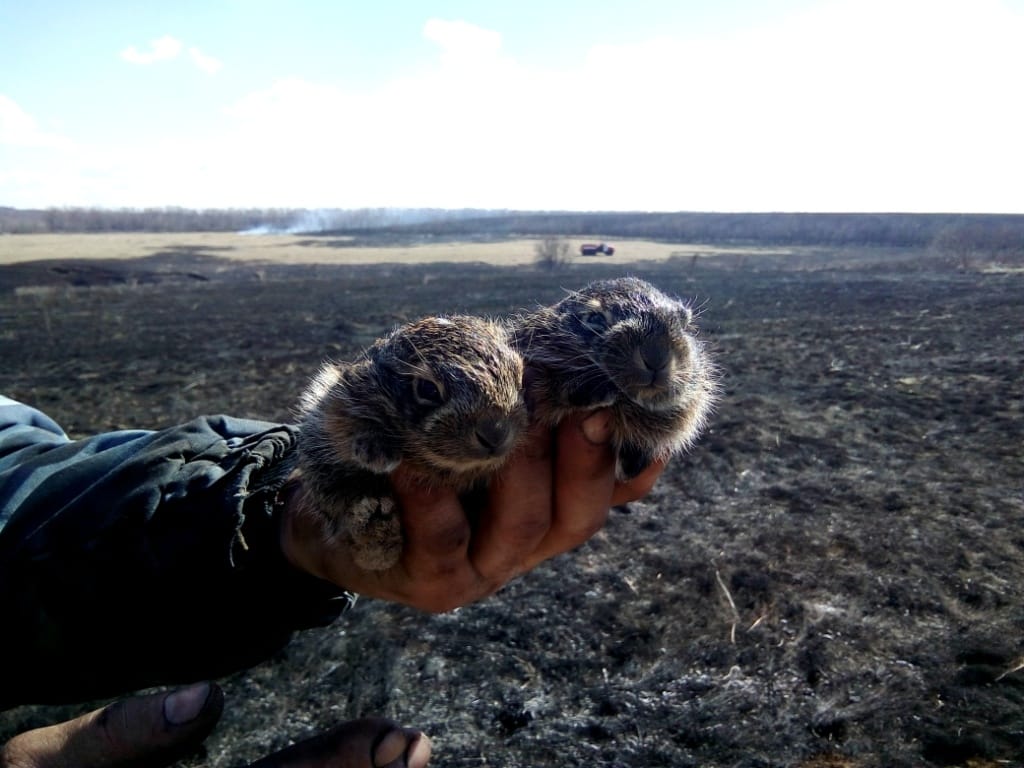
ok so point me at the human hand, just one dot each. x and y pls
(373, 742)
(550, 498)
(158, 729)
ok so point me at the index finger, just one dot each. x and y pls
(584, 480)
(437, 532)
(519, 510)
(639, 486)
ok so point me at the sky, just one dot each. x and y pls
(640, 105)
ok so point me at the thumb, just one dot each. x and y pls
(152, 730)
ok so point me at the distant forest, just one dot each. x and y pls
(995, 234)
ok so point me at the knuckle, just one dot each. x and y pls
(16, 754)
(112, 724)
(634, 490)
(529, 528)
(581, 531)
(448, 539)
(495, 582)
(444, 571)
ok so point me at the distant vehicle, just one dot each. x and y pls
(593, 249)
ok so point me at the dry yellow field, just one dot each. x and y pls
(307, 249)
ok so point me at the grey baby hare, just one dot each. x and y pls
(441, 396)
(621, 344)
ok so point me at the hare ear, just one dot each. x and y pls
(372, 353)
(319, 388)
(377, 391)
(685, 314)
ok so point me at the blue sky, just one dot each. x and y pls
(812, 105)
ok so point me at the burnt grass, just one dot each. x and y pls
(834, 576)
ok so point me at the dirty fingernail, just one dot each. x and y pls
(391, 747)
(597, 427)
(184, 705)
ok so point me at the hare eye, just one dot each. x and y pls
(427, 392)
(596, 321)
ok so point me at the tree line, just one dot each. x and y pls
(827, 229)
(256, 220)
(953, 234)
(93, 220)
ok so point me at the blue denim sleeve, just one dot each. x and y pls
(136, 558)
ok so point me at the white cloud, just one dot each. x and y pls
(168, 48)
(207, 64)
(161, 49)
(850, 105)
(20, 129)
(462, 42)
(864, 105)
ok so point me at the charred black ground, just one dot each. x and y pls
(833, 577)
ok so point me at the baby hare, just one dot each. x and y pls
(625, 345)
(441, 396)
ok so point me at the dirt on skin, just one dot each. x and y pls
(833, 577)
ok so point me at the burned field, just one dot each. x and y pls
(834, 576)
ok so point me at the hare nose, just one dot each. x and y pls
(655, 353)
(494, 435)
